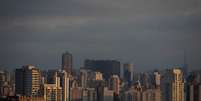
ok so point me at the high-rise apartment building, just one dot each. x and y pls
(28, 81)
(67, 61)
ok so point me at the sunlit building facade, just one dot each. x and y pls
(173, 85)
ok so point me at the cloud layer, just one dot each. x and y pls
(149, 33)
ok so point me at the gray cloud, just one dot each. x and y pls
(149, 33)
(99, 7)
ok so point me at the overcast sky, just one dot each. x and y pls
(148, 33)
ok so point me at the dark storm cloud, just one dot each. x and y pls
(150, 33)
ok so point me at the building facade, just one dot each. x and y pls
(107, 67)
(52, 92)
(28, 81)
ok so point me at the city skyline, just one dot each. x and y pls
(93, 83)
(81, 65)
(100, 50)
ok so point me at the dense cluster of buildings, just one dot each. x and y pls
(99, 80)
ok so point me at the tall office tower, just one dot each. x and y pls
(114, 84)
(107, 67)
(128, 72)
(67, 61)
(28, 81)
(65, 84)
(52, 92)
(194, 86)
(173, 85)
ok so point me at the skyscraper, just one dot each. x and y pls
(28, 81)
(65, 84)
(173, 85)
(177, 86)
(194, 86)
(67, 61)
(128, 72)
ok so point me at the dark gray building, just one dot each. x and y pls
(67, 61)
(107, 67)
